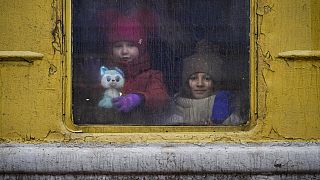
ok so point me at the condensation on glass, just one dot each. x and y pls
(180, 62)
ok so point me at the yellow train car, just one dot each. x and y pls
(51, 127)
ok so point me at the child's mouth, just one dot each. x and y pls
(125, 59)
(200, 91)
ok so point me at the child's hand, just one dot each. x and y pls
(222, 107)
(127, 103)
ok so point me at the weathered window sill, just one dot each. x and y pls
(285, 159)
(20, 56)
(300, 54)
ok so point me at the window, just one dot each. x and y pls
(168, 37)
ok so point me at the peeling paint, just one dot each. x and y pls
(52, 70)
(54, 136)
(56, 27)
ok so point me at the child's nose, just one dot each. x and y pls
(124, 50)
(200, 82)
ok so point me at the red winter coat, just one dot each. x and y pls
(143, 80)
(151, 86)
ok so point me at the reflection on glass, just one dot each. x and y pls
(160, 62)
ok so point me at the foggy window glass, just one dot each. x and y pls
(168, 62)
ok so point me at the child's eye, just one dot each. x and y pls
(117, 46)
(131, 45)
(192, 78)
(108, 78)
(117, 78)
(207, 78)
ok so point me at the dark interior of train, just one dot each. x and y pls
(178, 26)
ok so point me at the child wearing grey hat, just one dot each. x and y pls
(201, 100)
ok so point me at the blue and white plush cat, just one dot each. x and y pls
(112, 80)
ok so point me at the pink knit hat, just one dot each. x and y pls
(134, 28)
(127, 28)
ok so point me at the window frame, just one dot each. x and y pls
(94, 128)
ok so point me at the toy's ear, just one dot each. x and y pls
(120, 71)
(103, 70)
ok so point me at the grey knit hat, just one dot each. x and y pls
(205, 60)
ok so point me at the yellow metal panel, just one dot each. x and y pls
(294, 84)
(36, 96)
(315, 24)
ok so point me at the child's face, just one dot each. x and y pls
(125, 51)
(201, 85)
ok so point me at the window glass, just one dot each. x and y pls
(168, 62)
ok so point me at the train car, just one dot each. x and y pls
(52, 125)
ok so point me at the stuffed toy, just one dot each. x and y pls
(112, 80)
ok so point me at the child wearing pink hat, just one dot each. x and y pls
(144, 91)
